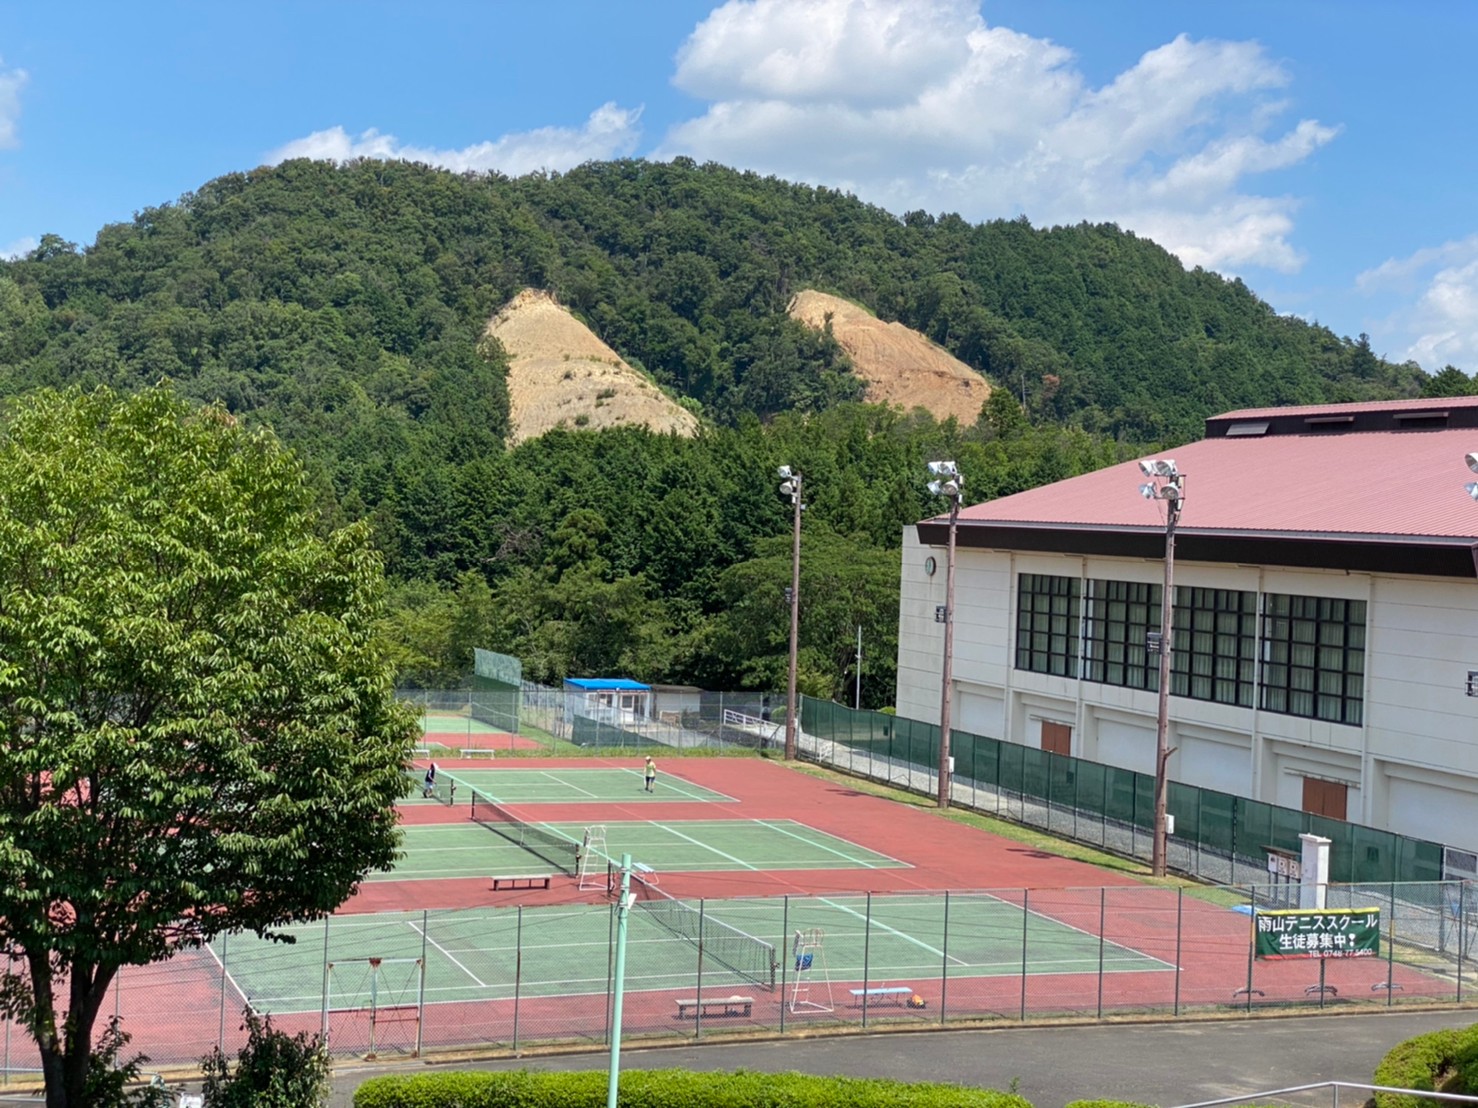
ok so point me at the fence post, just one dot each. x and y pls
(1025, 915)
(944, 963)
(610, 965)
(421, 983)
(698, 992)
(1391, 946)
(1462, 934)
(325, 1037)
(1102, 910)
(1251, 940)
(866, 952)
(221, 1031)
(784, 962)
(1179, 935)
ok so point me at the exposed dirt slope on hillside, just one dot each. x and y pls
(901, 367)
(560, 374)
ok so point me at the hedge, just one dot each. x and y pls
(668, 1089)
(1420, 1062)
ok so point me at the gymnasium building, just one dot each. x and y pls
(1325, 617)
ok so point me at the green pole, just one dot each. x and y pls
(623, 909)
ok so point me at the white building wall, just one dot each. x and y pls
(1411, 766)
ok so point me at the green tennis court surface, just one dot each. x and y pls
(470, 850)
(460, 725)
(573, 786)
(481, 955)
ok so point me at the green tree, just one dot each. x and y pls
(1449, 381)
(200, 734)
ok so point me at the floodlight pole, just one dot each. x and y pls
(623, 910)
(947, 669)
(791, 486)
(948, 483)
(1172, 494)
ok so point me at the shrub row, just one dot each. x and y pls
(1448, 1058)
(668, 1089)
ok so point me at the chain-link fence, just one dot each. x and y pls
(539, 719)
(394, 984)
(1218, 837)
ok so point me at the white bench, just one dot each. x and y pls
(478, 752)
(896, 993)
(645, 872)
(521, 880)
(717, 1006)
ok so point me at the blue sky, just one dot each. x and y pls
(1321, 150)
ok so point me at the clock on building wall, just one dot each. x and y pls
(930, 565)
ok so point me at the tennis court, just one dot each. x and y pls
(483, 955)
(441, 851)
(565, 785)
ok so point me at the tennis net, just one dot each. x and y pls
(751, 958)
(552, 846)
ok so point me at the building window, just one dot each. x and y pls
(1313, 661)
(1119, 617)
(1047, 624)
(1214, 648)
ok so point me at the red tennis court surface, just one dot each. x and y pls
(177, 1010)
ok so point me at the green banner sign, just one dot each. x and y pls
(1317, 933)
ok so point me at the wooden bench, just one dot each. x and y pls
(522, 881)
(717, 1006)
(896, 993)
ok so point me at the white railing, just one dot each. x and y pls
(1333, 1087)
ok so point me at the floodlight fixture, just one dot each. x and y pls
(1472, 460)
(1158, 467)
(1147, 491)
(1471, 488)
(784, 471)
(944, 469)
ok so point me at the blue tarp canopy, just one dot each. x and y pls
(593, 684)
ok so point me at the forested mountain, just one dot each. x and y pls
(345, 306)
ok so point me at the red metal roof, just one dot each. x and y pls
(1383, 483)
(1444, 403)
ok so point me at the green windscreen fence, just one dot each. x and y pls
(1093, 803)
(497, 683)
(585, 731)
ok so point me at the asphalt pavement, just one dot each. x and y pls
(1164, 1064)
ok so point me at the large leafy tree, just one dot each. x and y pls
(200, 734)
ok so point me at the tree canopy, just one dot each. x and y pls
(200, 734)
(345, 307)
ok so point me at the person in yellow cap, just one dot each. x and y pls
(651, 773)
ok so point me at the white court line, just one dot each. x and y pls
(226, 973)
(901, 934)
(860, 863)
(452, 958)
(670, 829)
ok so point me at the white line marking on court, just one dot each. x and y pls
(860, 863)
(696, 842)
(904, 935)
(452, 958)
(226, 973)
(562, 782)
(1107, 943)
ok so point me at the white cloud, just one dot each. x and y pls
(610, 132)
(19, 248)
(1437, 319)
(917, 104)
(11, 83)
